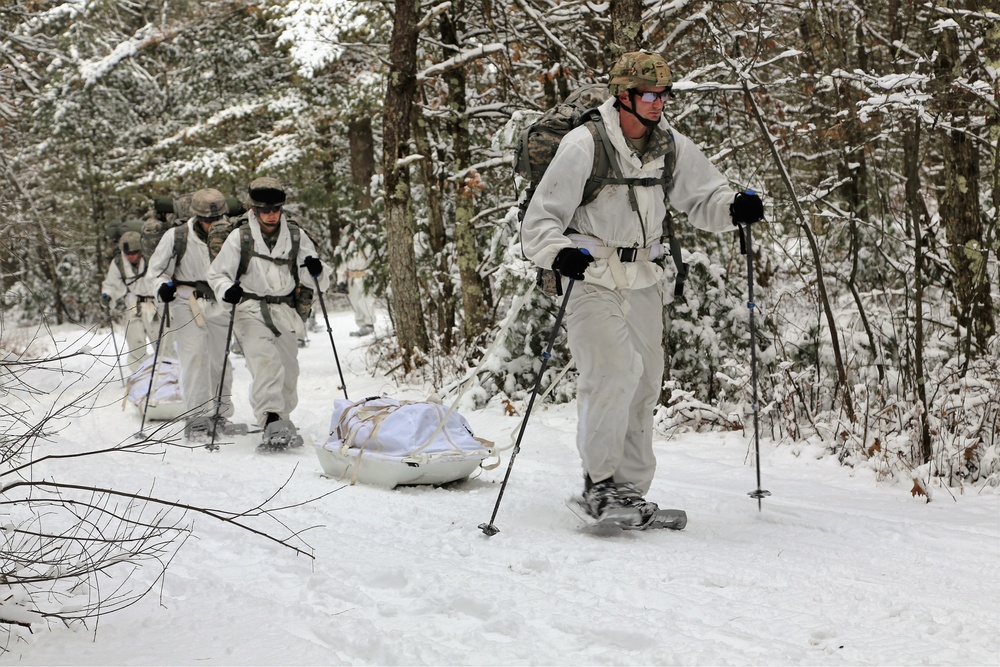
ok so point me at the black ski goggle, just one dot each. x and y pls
(267, 209)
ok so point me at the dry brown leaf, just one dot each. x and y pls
(876, 447)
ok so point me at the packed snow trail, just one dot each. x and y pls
(836, 570)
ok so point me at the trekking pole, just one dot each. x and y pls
(489, 528)
(152, 372)
(118, 355)
(222, 379)
(336, 358)
(746, 246)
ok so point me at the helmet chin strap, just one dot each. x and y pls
(649, 124)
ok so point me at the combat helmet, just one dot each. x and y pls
(266, 191)
(638, 68)
(130, 242)
(208, 203)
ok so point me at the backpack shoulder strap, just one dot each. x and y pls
(180, 244)
(246, 250)
(293, 257)
(601, 164)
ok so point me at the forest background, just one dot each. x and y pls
(872, 130)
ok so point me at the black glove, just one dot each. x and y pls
(167, 292)
(572, 262)
(746, 208)
(313, 266)
(233, 294)
(106, 300)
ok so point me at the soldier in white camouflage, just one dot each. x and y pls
(611, 245)
(178, 272)
(124, 284)
(257, 270)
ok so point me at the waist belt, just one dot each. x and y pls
(624, 254)
(265, 310)
(144, 299)
(201, 289)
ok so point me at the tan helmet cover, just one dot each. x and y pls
(208, 203)
(130, 242)
(639, 68)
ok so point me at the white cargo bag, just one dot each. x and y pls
(387, 442)
(166, 402)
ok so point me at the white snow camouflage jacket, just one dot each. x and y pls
(700, 191)
(264, 277)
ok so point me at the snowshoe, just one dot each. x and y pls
(647, 516)
(228, 428)
(280, 435)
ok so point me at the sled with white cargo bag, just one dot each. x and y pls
(387, 442)
(165, 403)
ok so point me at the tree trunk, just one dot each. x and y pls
(626, 27)
(362, 146)
(442, 309)
(474, 302)
(411, 330)
(960, 211)
(919, 218)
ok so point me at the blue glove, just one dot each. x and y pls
(572, 262)
(234, 294)
(313, 266)
(167, 292)
(746, 208)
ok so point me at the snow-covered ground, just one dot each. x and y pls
(835, 570)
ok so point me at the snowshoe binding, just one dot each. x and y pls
(198, 429)
(605, 504)
(279, 435)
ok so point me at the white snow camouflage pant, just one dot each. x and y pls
(272, 360)
(201, 349)
(616, 339)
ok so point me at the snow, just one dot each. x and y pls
(834, 569)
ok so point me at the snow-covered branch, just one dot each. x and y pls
(459, 60)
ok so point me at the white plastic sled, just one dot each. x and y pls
(166, 402)
(387, 442)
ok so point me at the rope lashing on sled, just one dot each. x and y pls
(363, 420)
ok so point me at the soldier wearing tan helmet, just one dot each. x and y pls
(124, 282)
(611, 246)
(258, 270)
(178, 272)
